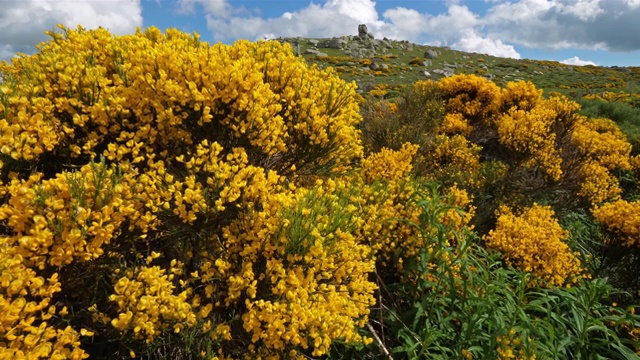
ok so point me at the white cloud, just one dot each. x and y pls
(633, 3)
(577, 61)
(585, 10)
(563, 24)
(23, 23)
(216, 8)
(333, 18)
(403, 23)
(472, 42)
(363, 11)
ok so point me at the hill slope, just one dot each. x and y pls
(371, 61)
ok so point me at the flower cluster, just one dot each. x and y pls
(147, 304)
(622, 218)
(533, 241)
(511, 346)
(604, 148)
(470, 95)
(529, 132)
(388, 164)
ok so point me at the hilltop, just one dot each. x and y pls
(370, 61)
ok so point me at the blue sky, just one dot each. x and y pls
(601, 32)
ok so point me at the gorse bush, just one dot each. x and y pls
(187, 220)
(535, 242)
(164, 198)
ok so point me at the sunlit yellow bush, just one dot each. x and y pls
(533, 241)
(153, 93)
(470, 95)
(530, 133)
(455, 124)
(603, 148)
(191, 222)
(388, 164)
(622, 218)
(522, 94)
(306, 250)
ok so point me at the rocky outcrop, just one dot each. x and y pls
(363, 32)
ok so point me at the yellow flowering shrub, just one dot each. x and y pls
(388, 164)
(475, 97)
(622, 218)
(70, 217)
(153, 93)
(306, 252)
(452, 159)
(194, 230)
(604, 148)
(530, 133)
(27, 312)
(523, 95)
(455, 124)
(533, 241)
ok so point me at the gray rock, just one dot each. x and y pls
(363, 33)
(315, 52)
(426, 73)
(426, 63)
(313, 42)
(385, 44)
(444, 72)
(336, 43)
(430, 54)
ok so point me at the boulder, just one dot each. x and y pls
(337, 43)
(313, 42)
(385, 43)
(315, 52)
(430, 54)
(362, 31)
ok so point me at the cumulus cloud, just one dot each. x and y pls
(333, 18)
(577, 61)
(473, 42)
(23, 23)
(217, 8)
(558, 24)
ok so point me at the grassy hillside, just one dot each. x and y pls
(405, 65)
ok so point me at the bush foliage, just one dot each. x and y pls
(164, 198)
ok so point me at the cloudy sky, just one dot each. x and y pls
(602, 32)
